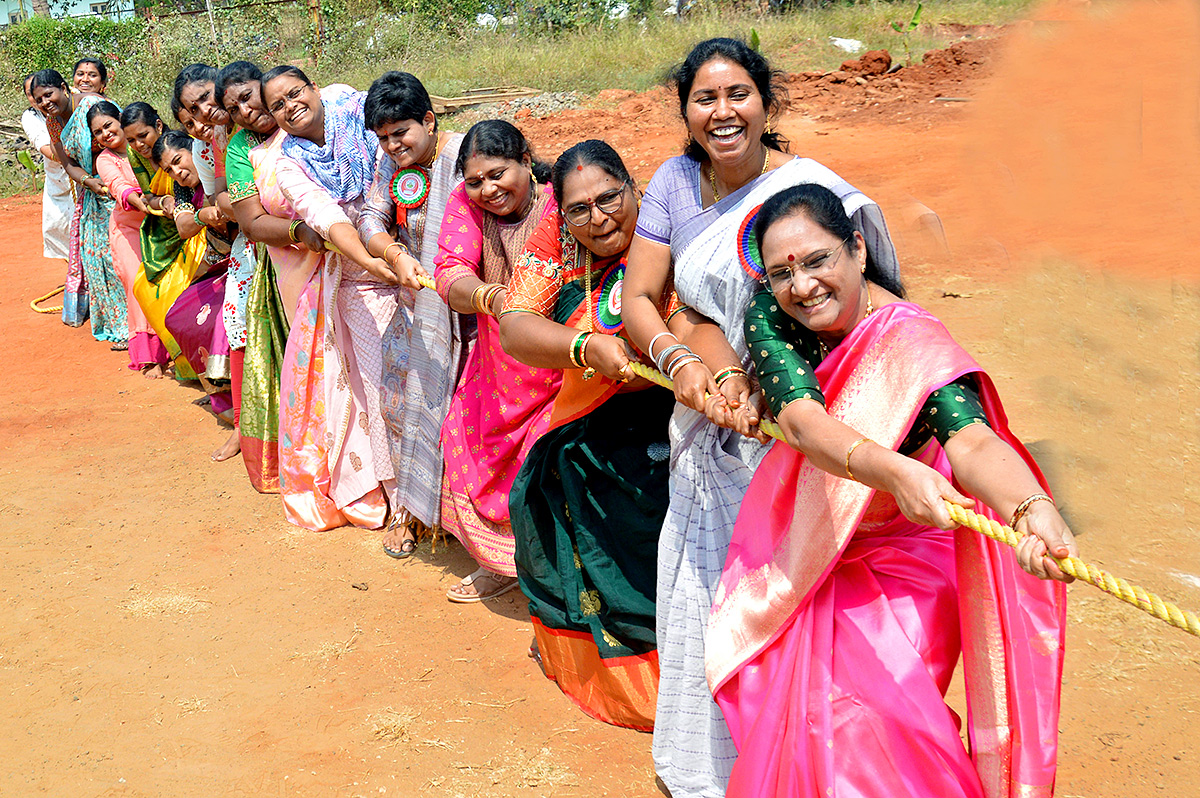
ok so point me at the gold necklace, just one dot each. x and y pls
(712, 174)
(437, 146)
(589, 372)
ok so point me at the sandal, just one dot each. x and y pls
(536, 656)
(120, 346)
(408, 547)
(499, 585)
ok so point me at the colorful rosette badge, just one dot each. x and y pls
(747, 244)
(410, 187)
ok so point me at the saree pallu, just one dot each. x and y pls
(75, 301)
(266, 339)
(837, 623)
(90, 247)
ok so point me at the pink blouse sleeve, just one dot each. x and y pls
(460, 243)
(120, 181)
(313, 204)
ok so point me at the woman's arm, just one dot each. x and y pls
(273, 231)
(989, 468)
(120, 186)
(460, 249)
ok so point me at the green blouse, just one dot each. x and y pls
(785, 351)
(239, 173)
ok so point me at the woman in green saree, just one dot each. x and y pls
(588, 503)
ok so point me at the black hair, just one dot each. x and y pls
(278, 72)
(769, 83)
(592, 152)
(25, 80)
(394, 97)
(826, 210)
(103, 108)
(48, 78)
(194, 73)
(170, 139)
(234, 74)
(176, 107)
(495, 138)
(96, 62)
(139, 112)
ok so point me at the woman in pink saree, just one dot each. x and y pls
(846, 597)
(501, 406)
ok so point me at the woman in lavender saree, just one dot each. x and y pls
(838, 620)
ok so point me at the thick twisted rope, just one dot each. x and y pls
(34, 304)
(1084, 571)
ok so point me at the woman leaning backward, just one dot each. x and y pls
(588, 503)
(837, 623)
(337, 468)
(424, 344)
(687, 231)
(500, 406)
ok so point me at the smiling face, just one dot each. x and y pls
(500, 186)
(29, 91)
(295, 106)
(409, 141)
(245, 105)
(725, 112)
(591, 188)
(87, 79)
(178, 164)
(194, 127)
(825, 290)
(142, 137)
(52, 100)
(107, 132)
(200, 101)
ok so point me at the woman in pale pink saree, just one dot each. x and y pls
(838, 621)
(333, 447)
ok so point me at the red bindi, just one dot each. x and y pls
(791, 257)
(579, 168)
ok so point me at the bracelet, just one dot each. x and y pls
(196, 216)
(732, 371)
(1024, 506)
(682, 361)
(389, 246)
(661, 360)
(850, 451)
(489, 298)
(654, 340)
(576, 352)
(672, 361)
(292, 231)
(477, 295)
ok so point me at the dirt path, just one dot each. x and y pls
(164, 632)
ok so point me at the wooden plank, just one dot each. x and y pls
(473, 97)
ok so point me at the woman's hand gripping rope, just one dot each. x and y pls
(1072, 566)
(424, 280)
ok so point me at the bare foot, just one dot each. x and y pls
(230, 448)
(153, 371)
(480, 586)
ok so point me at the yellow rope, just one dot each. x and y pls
(1084, 571)
(426, 282)
(57, 308)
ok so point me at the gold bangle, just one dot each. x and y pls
(850, 451)
(477, 295)
(1024, 506)
(292, 230)
(730, 371)
(388, 247)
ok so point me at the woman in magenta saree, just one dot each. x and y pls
(838, 621)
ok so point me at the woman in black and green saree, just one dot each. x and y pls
(588, 503)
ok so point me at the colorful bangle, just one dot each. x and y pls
(388, 248)
(731, 371)
(1024, 506)
(292, 230)
(654, 340)
(489, 299)
(477, 296)
(850, 451)
(196, 216)
(577, 345)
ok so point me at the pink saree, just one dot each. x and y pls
(501, 406)
(838, 623)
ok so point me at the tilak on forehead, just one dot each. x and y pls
(791, 257)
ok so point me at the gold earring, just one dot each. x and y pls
(770, 127)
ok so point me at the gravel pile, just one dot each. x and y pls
(523, 107)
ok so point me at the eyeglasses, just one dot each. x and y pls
(607, 203)
(779, 278)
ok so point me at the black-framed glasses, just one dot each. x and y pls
(607, 203)
(779, 278)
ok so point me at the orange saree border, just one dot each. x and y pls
(622, 691)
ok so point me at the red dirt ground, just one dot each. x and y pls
(163, 632)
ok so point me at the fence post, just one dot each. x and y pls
(211, 22)
(318, 27)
